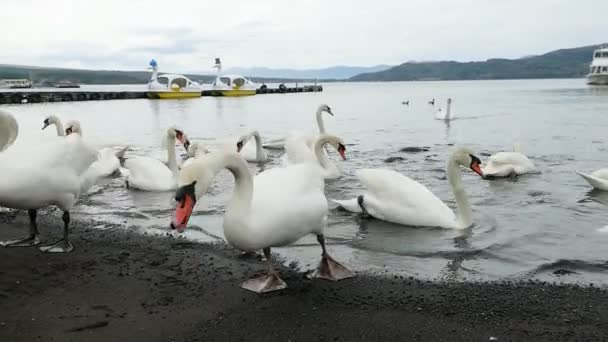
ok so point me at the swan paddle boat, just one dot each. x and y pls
(231, 85)
(171, 86)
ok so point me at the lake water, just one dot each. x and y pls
(530, 227)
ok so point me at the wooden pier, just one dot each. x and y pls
(36, 96)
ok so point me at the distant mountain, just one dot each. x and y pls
(335, 72)
(564, 63)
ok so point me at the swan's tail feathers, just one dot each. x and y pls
(595, 182)
(351, 205)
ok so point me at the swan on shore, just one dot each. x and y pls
(9, 130)
(275, 208)
(279, 144)
(393, 197)
(41, 175)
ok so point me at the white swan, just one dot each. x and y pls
(41, 175)
(9, 130)
(505, 164)
(275, 208)
(54, 120)
(195, 149)
(298, 151)
(250, 153)
(447, 114)
(393, 197)
(150, 174)
(279, 144)
(597, 179)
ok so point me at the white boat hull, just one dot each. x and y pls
(596, 79)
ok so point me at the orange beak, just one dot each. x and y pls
(183, 210)
(477, 168)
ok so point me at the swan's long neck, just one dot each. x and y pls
(320, 152)
(240, 204)
(59, 128)
(320, 121)
(464, 213)
(171, 158)
(448, 111)
(259, 152)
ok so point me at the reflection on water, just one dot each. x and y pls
(531, 226)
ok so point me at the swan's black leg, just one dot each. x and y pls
(63, 245)
(27, 241)
(360, 201)
(265, 283)
(329, 268)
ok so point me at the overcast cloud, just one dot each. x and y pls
(185, 35)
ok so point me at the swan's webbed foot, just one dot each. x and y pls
(329, 268)
(61, 246)
(364, 213)
(265, 283)
(27, 241)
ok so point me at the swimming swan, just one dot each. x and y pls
(597, 179)
(505, 164)
(395, 198)
(279, 144)
(41, 175)
(151, 174)
(275, 208)
(447, 114)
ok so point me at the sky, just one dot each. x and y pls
(186, 35)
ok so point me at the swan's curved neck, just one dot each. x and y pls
(464, 213)
(171, 158)
(320, 152)
(320, 121)
(259, 152)
(59, 128)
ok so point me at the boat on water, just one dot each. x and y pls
(15, 83)
(231, 85)
(598, 70)
(66, 84)
(171, 86)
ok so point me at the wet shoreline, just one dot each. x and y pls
(124, 285)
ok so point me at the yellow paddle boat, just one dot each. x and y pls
(171, 86)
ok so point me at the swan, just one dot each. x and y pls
(506, 164)
(9, 130)
(151, 174)
(194, 150)
(447, 114)
(275, 208)
(279, 144)
(395, 198)
(597, 179)
(54, 120)
(247, 151)
(41, 175)
(298, 151)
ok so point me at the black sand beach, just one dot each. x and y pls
(123, 286)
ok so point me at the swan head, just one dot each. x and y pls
(335, 141)
(73, 126)
(50, 120)
(465, 157)
(192, 183)
(196, 148)
(325, 108)
(174, 133)
(243, 139)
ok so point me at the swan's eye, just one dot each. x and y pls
(68, 130)
(46, 122)
(239, 146)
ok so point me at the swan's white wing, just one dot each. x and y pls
(598, 179)
(396, 198)
(298, 151)
(149, 174)
(9, 129)
(288, 203)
